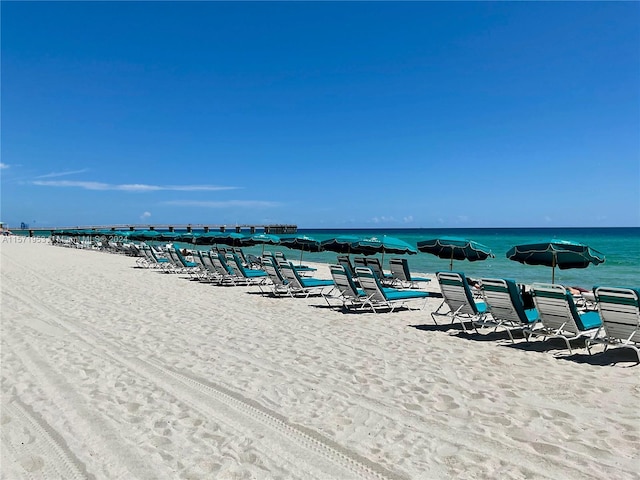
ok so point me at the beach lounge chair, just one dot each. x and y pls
(379, 296)
(207, 271)
(348, 292)
(188, 265)
(179, 264)
(458, 300)
(201, 272)
(620, 314)
(174, 263)
(304, 269)
(374, 264)
(228, 276)
(253, 277)
(402, 276)
(157, 259)
(279, 284)
(345, 261)
(559, 316)
(145, 260)
(279, 257)
(505, 306)
(300, 285)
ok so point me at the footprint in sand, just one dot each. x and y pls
(159, 441)
(32, 463)
(446, 450)
(552, 414)
(545, 448)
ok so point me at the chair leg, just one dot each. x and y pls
(566, 340)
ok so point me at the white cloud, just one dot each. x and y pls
(145, 215)
(223, 204)
(383, 219)
(408, 219)
(62, 174)
(133, 187)
(3, 166)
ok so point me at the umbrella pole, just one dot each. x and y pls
(301, 252)
(451, 263)
(553, 269)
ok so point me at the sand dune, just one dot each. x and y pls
(116, 372)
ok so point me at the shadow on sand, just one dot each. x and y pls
(555, 346)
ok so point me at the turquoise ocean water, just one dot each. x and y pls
(621, 247)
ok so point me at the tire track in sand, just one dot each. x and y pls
(299, 445)
(30, 442)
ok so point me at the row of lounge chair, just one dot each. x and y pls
(400, 276)
(278, 276)
(614, 320)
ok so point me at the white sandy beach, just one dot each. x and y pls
(116, 372)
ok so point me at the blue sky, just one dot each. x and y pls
(324, 115)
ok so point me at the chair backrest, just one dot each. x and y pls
(147, 255)
(173, 258)
(280, 256)
(159, 252)
(197, 258)
(370, 284)
(359, 262)
(238, 251)
(620, 312)
(346, 263)
(234, 261)
(343, 281)
(219, 263)
(289, 273)
(269, 266)
(556, 307)
(205, 260)
(456, 292)
(157, 255)
(183, 261)
(270, 256)
(400, 269)
(376, 267)
(503, 298)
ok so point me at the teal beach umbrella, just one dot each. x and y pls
(384, 244)
(145, 235)
(556, 253)
(340, 244)
(455, 248)
(219, 238)
(261, 239)
(302, 243)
